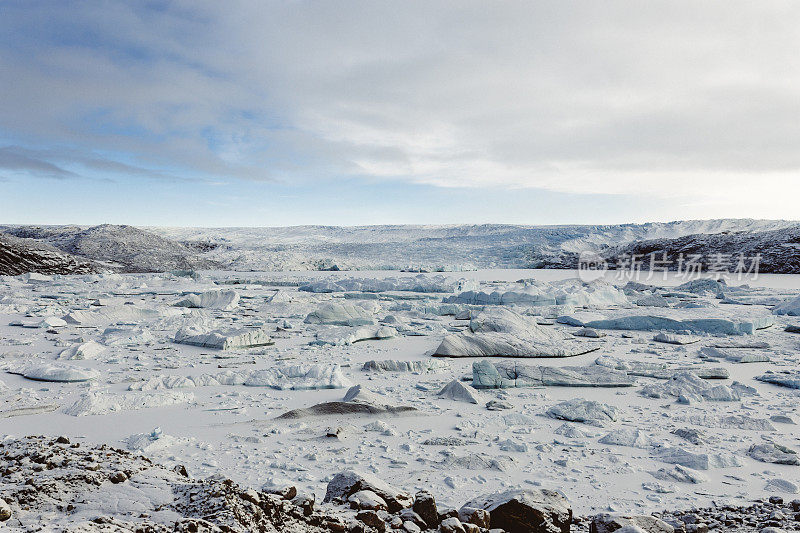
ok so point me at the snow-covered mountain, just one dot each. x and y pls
(117, 248)
(778, 251)
(22, 256)
(414, 247)
(448, 247)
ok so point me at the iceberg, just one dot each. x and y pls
(504, 374)
(299, 377)
(714, 326)
(790, 308)
(223, 300)
(222, 339)
(500, 332)
(341, 314)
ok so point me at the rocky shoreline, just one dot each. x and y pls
(52, 484)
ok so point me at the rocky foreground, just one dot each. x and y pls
(52, 484)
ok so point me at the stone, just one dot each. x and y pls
(451, 525)
(471, 515)
(606, 523)
(425, 507)
(372, 519)
(366, 500)
(347, 483)
(118, 477)
(5, 510)
(410, 516)
(306, 502)
(527, 511)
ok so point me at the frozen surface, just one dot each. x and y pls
(625, 422)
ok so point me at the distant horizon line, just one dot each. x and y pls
(453, 224)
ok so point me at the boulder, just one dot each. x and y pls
(5, 510)
(345, 484)
(606, 523)
(425, 507)
(471, 515)
(371, 519)
(527, 511)
(366, 500)
(451, 525)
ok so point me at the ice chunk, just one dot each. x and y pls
(791, 308)
(586, 411)
(504, 374)
(299, 377)
(500, 332)
(101, 403)
(431, 365)
(222, 339)
(343, 335)
(716, 326)
(341, 314)
(455, 390)
(56, 373)
(224, 300)
(84, 350)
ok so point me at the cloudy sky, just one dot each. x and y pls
(291, 112)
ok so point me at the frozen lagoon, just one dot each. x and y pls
(213, 422)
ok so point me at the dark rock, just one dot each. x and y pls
(606, 523)
(287, 493)
(425, 507)
(371, 519)
(118, 477)
(470, 515)
(451, 525)
(347, 483)
(527, 511)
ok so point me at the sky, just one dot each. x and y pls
(260, 113)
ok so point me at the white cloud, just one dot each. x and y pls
(666, 99)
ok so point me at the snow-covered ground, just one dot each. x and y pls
(94, 358)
